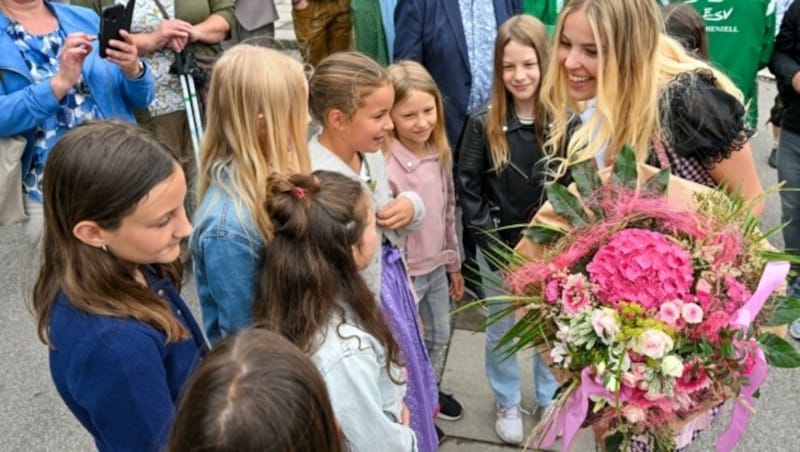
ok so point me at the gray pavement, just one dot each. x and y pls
(33, 417)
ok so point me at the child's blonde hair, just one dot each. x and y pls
(257, 124)
(631, 74)
(341, 81)
(527, 31)
(409, 75)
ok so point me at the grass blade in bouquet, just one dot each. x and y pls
(645, 292)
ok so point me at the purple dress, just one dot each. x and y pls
(400, 311)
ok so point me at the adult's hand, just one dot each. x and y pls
(169, 33)
(178, 44)
(124, 54)
(173, 33)
(70, 62)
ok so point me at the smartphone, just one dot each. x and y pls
(113, 18)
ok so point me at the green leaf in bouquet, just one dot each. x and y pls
(529, 331)
(781, 256)
(543, 234)
(586, 178)
(770, 232)
(625, 172)
(658, 183)
(779, 353)
(566, 204)
(787, 309)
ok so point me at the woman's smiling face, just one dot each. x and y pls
(578, 54)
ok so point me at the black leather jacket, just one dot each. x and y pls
(492, 199)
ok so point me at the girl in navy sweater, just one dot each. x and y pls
(122, 341)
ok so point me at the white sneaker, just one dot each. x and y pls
(509, 424)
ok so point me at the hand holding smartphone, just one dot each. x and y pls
(113, 19)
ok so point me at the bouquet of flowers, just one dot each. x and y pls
(651, 306)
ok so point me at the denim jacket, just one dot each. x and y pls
(24, 105)
(226, 251)
(366, 402)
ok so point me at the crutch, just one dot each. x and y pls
(183, 66)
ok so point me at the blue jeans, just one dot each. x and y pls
(789, 171)
(503, 373)
(433, 292)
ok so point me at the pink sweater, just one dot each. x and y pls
(435, 242)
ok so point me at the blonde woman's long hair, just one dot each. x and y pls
(631, 75)
(530, 32)
(257, 124)
(409, 75)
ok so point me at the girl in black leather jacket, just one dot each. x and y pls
(501, 175)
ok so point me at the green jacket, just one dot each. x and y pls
(370, 38)
(544, 10)
(741, 34)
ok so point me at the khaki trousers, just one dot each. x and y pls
(325, 27)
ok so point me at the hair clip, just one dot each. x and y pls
(299, 193)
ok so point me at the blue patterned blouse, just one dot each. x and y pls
(41, 56)
(480, 29)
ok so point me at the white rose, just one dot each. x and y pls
(671, 366)
(653, 343)
(605, 324)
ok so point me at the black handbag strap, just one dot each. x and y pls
(162, 9)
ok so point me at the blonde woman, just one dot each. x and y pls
(257, 118)
(649, 93)
(676, 111)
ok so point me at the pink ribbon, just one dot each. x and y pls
(774, 274)
(571, 418)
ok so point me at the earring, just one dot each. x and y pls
(104, 247)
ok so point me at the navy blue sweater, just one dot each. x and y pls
(120, 377)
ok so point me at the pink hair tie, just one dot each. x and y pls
(299, 193)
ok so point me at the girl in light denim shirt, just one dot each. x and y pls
(311, 291)
(257, 118)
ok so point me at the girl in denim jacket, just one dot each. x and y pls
(418, 159)
(311, 292)
(257, 119)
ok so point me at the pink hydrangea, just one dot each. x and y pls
(642, 266)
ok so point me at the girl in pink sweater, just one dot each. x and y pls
(418, 159)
